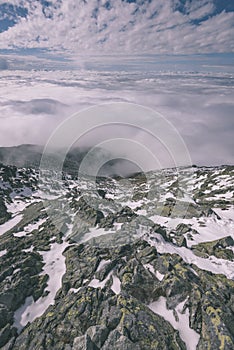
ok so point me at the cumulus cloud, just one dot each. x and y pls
(118, 26)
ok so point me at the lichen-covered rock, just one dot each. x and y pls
(112, 281)
(221, 248)
(6, 333)
(4, 215)
(118, 341)
(83, 343)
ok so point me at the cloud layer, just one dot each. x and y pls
(200, 106)
(118, 26)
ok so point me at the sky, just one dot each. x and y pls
(118, 26)
(176, 56)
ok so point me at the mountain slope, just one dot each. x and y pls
(144, 262)
(30, 156)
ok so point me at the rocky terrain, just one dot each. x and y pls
(145, 262)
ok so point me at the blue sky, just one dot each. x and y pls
(118, 27)
(66, 55)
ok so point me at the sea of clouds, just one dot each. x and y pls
(199, 105)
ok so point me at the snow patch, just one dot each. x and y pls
(227, 214)
(74, 290)
(188, 335)
(95, 232)
(155, 273)
(29, 228)
(116, 286)
(214, 265)
(16, 206)
(55, 267)
(10, 224)
(3, 252)
(102, 264)
(95, 283)
(29, 250)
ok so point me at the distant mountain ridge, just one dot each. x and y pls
(29, 156)
(21, 156)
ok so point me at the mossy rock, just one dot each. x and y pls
(218, 248)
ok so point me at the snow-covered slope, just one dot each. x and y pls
(145, 262)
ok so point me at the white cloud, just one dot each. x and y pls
(200, 106)
(201, 10)
(88, 27)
